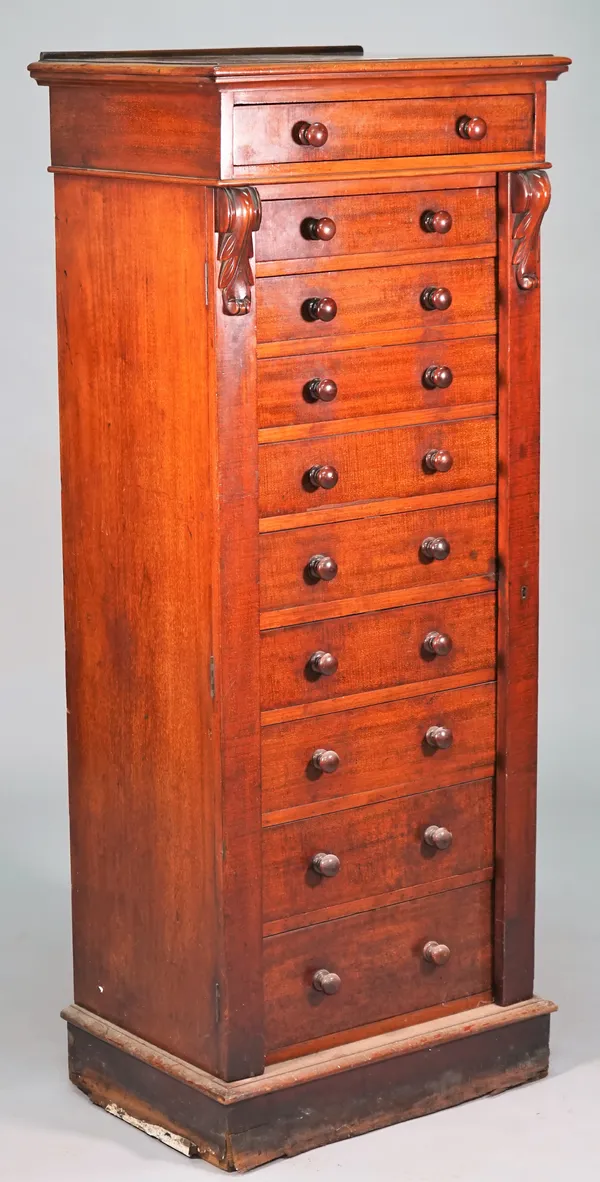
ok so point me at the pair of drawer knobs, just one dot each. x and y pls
(435, 377)
(324, 229)
(326, 760)
(324, 308)
(329, 865)
(324, 568)
(315, 135)
(435, 644)
(437, 459)
(325, 982)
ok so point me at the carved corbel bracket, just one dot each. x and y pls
(530, 198)
(238, 215)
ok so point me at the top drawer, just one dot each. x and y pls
(274, 133)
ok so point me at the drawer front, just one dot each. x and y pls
(376, 650)
(378, 956)
(377, 222)
(379, 749)
(372, 465)
(380, 847)
(272, 134)
(376, 381)
(376, 554)
(374, 299)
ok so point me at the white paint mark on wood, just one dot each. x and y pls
(174, 1140)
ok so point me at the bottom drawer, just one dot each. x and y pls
(378, 957)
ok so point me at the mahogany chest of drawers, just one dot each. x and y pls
(298, 315)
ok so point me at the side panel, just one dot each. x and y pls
(518, 502)
(138, 521)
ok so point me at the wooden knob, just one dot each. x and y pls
(435, 548)
(326, 982)
(321, 229)
(436, 299)
(438, 377)
(438, 644)
(438, 837)
(321, 566)
(322, 389)
(310, 135)
(324, 309)
(436, 953)
(325, 761)
(437, 459)
(439, 736)
(328, 865)
(436, 223)
(471, 127)
(324, 663)
(323, 476)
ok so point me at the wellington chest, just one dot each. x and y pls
(298, 320)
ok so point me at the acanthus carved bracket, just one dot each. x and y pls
(530, 198)
(238, 215)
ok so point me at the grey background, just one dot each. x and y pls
(47, 1130)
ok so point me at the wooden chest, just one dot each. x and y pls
(298, 315)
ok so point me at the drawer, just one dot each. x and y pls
(377, 649)
(376, 554)
(373, 299)
(378, 957)
(372, 465)
(376, 381)
(294, 229)
(379, 847)
(378, 750)
(273, 133)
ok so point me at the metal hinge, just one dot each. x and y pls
(206, 283)
(217, 1003)
(212, 677)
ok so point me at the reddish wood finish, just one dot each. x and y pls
(376, 223)
(378, 957)
(376, 649)
(355, 131)
(381, 847)
(366, 300)
(380, 751)
(376, 554)
(373, 464)
(376, 381)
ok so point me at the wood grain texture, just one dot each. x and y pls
(375, 650)
(137, 523)
(376, 381)
(367, 300)
(381, 848)
(378, 956)
(377, 222)
(376, 464)
(381, 751)
(376, 554)
(360, 131)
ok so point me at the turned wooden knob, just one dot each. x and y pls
(323, 476)
(324, 663)
(438, 837)
(310, 135)
(436, 953)
(436, 299)
(326, 761)
(326, 982)
(321, 229)
(435, 548)
(437, 459)
(438, 377)
(324, 309)
(328, 865)
(321, 566)
(436, 223)
(471, 127)
(438, 644)
(439, 736)
(322, 389)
